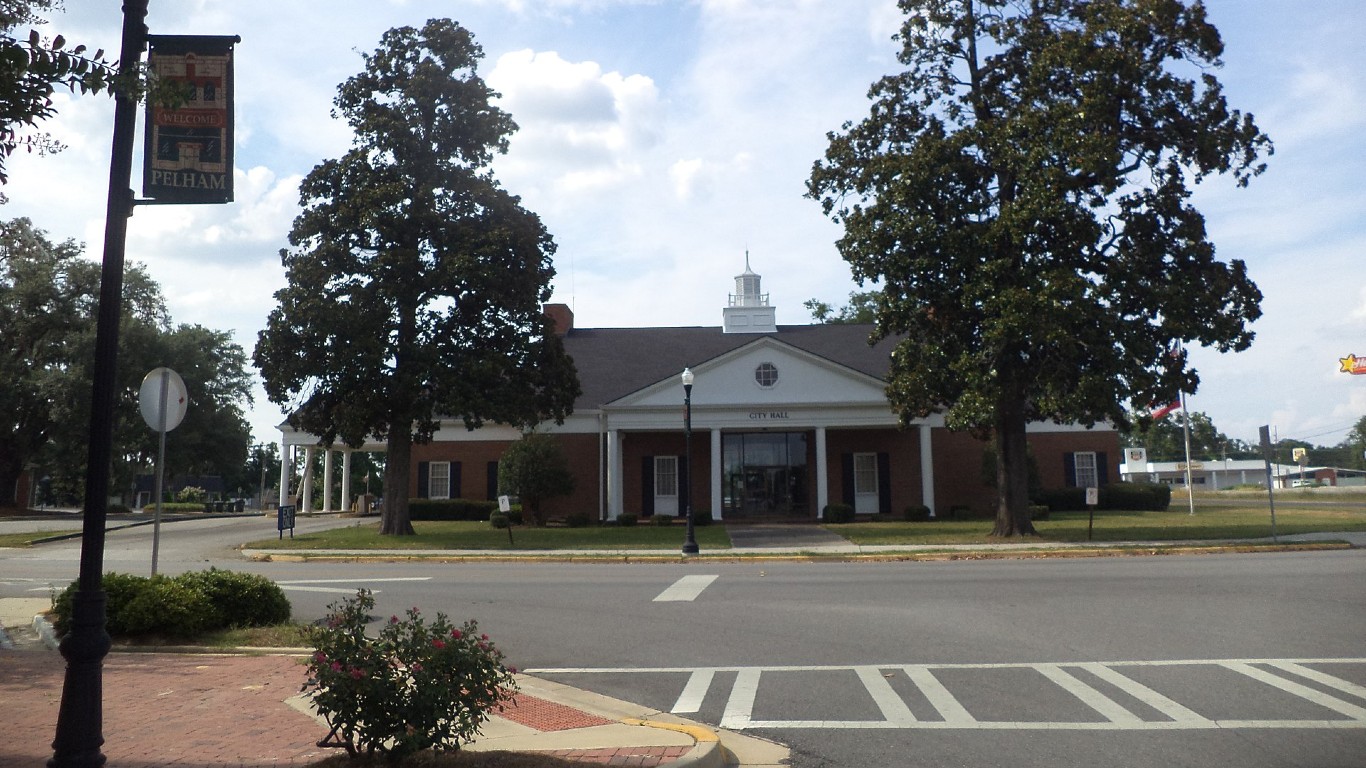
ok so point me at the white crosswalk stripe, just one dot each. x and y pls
(1309, 681)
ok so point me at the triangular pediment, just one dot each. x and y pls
(764, 372)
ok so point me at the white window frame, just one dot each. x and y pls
(666, 476)
(1085, 470)
(444, 487)
(865, 474)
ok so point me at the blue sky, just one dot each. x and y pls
(662, 140)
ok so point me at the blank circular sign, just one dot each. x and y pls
(149, 399)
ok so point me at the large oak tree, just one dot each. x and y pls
(415, 283)
(1021, 192)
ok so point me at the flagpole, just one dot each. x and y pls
(1186, 432)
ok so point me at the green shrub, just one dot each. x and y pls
(916, 513)
(167, 606)
(576, 520)
(119, 590)
(181, 606)
(451, 509)
(414, 687)
(1063, 499)
(176, 507)
(191, 495)
(514, 514)
(662, 520)
(1038, 511)
(117, 509)
(500, 520)
(1139, 497)
(960, 512)
(838, 513)
(701, 517)
(240, 599)
(627, 520)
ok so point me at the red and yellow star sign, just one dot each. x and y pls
(1353, 365)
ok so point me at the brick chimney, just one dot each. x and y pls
(561, 317)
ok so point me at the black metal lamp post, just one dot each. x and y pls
(690, 545)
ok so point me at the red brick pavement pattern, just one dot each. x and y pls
(187, 711)
(547, 715)
(649, 757)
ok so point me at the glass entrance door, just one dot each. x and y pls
(765, 475)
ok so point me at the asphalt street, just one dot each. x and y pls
(1254, 660)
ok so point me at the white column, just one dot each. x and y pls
(927, 467)
(306, 485)
(716, 503)
(614, 479)
(822, 473)
(286, 472)
(327, 479)
(346, 480)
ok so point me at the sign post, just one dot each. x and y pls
(1265, 434)
(162, 401)
(1092, 501)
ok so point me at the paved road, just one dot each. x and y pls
(1254, 660)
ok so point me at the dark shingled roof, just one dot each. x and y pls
(614, 362)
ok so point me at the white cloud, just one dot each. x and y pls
(580, 127)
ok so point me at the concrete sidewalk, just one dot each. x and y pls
(205, 710)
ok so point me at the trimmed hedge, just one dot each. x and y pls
(838, 514)
(1137, 497)
(451, 509)
(176, 506)
(181, 606)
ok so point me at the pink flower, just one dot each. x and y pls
(336, 666)
(456, 634)
(438, 643)
(417, 666)
(484, 637)
(393, 619)
(320, 657)
(512, 670)
(357, 673)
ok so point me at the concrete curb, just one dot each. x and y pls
(706, 751)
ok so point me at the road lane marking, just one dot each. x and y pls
(1144, 694)
(690, 701)
(894, 710)
(353, 581)
(740, 705)
(685, 590)
(1107, 707)
(738, 712)
(948, 707)
(1321, 678)
(1302, 691)
(307, 585)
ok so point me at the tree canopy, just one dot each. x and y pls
(31, 70)
(535, 469)
(1021, 194)
(47, 310)
(415, 284)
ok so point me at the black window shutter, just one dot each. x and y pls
(455, 480)
(884, 483)
(847, 472)
(492, 477)
(1069, 469)
(647, 486)
(423, 486)
(1102, 468)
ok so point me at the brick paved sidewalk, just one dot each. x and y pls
(159, 710)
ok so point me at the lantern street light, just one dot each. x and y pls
(690, 545)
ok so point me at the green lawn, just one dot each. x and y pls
(1173, 525)
(471, 535)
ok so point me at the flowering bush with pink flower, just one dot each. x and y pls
(416, 686)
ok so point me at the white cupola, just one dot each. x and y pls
(749, 311)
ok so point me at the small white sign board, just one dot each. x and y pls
(158, 385)
(1092, 497)
(504, 504)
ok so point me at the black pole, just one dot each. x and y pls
(690, 545)
(80, 719)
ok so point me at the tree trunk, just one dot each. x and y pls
(394, 520)
(1012, 470)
